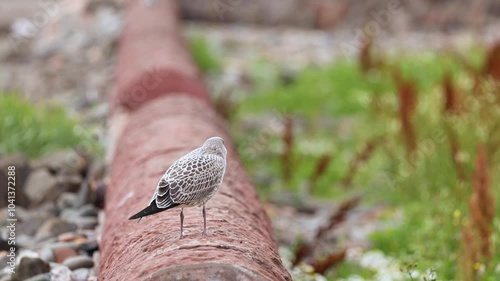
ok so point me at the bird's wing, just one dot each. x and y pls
(195, 179)
(189, 179)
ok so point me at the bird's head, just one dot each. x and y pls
(216, 146)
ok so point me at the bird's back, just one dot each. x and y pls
(191, 180)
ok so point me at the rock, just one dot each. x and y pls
(79, 262)
(21, 163)
(70, 180)
(89, 247)
(97, 113)
(48, 207)
(97, 260)
(41, 187)
(63, 244)
(68, 237)
(67, 200)
(3, 254)
(80, 241)
(86, 222)
(87, 211)
(62, 162)
(26, 241)
(81, 274)
(32, 221)
(17, 9)
(25, 253)
(4, 246)
(63, 253)
(46, 254)
(84, 195)
(54, 227)
(40, 277)
(100, 193)
(69, 214)
(61, 273)
(97, 170)
(291, 12)
(29, 267)
(28, 221)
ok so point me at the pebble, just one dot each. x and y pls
(88, 210)
(89, 247)
(47, 254)
(41, 187)
(70, 181)
(4, 246)
(79, 262)
(69, 214)
(40, 277)
(29, 226)
(97, 260)
(54, 227)
(27, 253)
(23, 169)
(69, 236)
(66, 161)
(61, 273)
(84, 194)
(81, 274)
(67, 200)
(86, 222)
(26, 241)
(100, 193)
(29, 267)
(80, 241)
(57, 245)
(75, 214)
(63, 253)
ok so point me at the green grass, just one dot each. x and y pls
(338, 109)
(37, 130)
(348, 269)
(203, 54)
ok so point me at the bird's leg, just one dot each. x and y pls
(182, 220)
(204, 220)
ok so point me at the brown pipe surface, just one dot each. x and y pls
(172, 116)
(152, 57)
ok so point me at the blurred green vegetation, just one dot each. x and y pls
(203, 54)
(37, 130)
(352, 116)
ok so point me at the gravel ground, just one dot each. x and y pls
(240, 45)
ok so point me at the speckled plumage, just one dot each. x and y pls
(190, 181)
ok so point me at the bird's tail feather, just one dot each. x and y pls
(151, 209)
